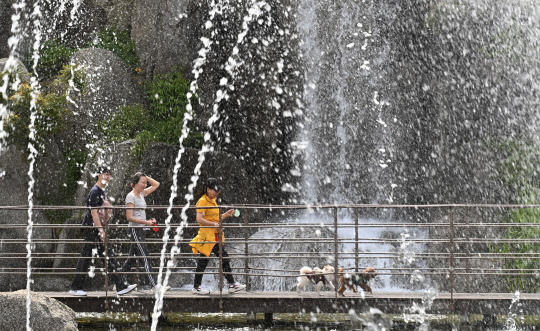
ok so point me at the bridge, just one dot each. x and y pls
(480, 259)
(292, 302)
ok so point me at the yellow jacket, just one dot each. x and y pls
(205, 240)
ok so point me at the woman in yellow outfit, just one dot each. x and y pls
(205, 242)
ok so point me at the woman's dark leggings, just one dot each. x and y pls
(202, 262)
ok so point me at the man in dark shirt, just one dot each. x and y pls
(95, 237)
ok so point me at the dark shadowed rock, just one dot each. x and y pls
(5, 28)
(166, 33)
(72, 25)
(15, 182)
(51, 283)
(118, 12)
(45, 313)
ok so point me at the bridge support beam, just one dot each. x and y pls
(268, 318)
(489, 321)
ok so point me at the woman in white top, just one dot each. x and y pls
(138, 224)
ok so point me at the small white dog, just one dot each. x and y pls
(316, 276)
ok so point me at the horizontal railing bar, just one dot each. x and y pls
(306, 240)
(279, 207)
(282, 225)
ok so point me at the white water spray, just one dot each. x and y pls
(188, 116)
(11, 65)
(36, 22)
(232, 64)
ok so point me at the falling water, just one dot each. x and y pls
(233, 62)
(416, 313)
(341, 98)
(188, 116)
(11, 65)
(36, 21)
(514, 309)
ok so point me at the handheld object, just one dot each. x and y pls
(155, 228)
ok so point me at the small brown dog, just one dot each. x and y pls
(351, 280)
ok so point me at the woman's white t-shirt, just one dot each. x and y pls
(139, 211)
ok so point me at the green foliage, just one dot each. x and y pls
(520, 164)
(50, 107)
(119, 42)
(52, 57)
(167, 95)
(517, 170)
(162, 121)
(127, 123)
(524, 283)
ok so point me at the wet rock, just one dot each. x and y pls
(166, 33)
(288, 242)
(118, 12)
(51, 283)
(20, 67)
(108, 85)
(14, 179)
(74, 23)
(5, 28)
(45, 313)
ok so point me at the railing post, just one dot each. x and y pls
(356, 237)
(246, 252)
(468, 247)
(220, 243)
(106, 255)
(336, 255)
(452, 234)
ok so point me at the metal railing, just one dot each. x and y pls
(453, 249)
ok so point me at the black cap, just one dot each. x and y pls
(103, 170)
(214, 184)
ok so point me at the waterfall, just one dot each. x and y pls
(347, 130)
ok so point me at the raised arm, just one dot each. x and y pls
(154, 184)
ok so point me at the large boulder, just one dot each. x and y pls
(109, 84)
(45, 313)
(19, 67)
(14, 181)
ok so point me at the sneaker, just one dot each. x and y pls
(127, 289)
(236, 287)
(198, 290)
(79, 293)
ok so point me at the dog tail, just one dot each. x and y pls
(306, 270)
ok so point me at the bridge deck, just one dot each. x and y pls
(291, 302)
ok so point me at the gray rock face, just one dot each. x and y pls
(5, 28)
(45, 313)
(118, 12)
(166, 33)
(73, 26)
(109, 85)
(14, 182)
